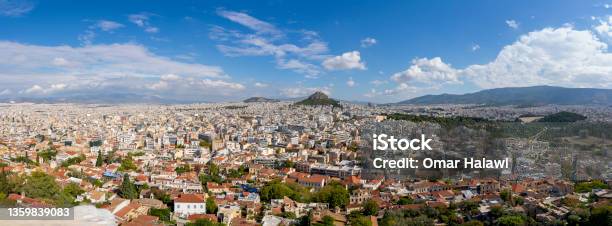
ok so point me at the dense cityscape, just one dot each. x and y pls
(305, 113)
(280, 163)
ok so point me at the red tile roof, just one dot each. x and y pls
(190, 198)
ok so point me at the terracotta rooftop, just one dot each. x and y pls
(190, 198)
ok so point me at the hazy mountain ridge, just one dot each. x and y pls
(260, 100)
(534, 95)
(98, 98)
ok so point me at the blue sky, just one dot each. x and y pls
(353, 50)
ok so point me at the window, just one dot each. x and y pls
(178, 206)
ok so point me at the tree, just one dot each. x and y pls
(370, 207)
(405, 200)
(573, 220)
(275, 190)
(232, 173)
(601, 216)
(519, 201)
(288, 164)
(305, 220)
(43, 186)
(469, 206)
(211, 206)
(128, 189)
(213, 169)
(510, 220)
(47, 154)
(334, 194)
(5, 187)
(326, 221)
(73, 189)
(74, 160)
(473, 223)
(99, 159)
(163, 214)
(588, 186)
(127, 164)
(405, 218)
(182, 169)
(496, 211)
(288, 215)
(506, 195)
(161, 195)
(570, 201)
(360, 221)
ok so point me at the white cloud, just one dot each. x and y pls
(551, 56)
(260, 85)
(605, 28)
(350, 82)
(151, 29)
(142, 20)
(191, 87)
(512, 24)
(87, 37)
(310, 70)
(268, 40)
(561, 56)
(260, 46)
(95, 60)
(402, 89)
(301, 91)
(475, 47)
(161, 85)
(371, 94)
(38, 70)
(250, 22)
(5, 92)
(378, 82)
(170, 77)
(346, 61)
(36, 89)
(57, 87)
(222, 84)
(107, 25)
(60, 61)
(89, 34)
(15, 8)
(428, 71)
(367, 42)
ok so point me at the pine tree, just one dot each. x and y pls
(211, 206)
(4, 183)
(99, 160)
(128, 189)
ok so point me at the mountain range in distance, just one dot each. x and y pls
(524, 96)
(519, 96)
(260, 100)
(97, 98)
